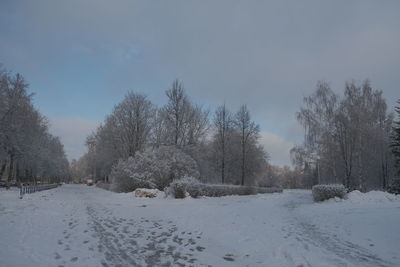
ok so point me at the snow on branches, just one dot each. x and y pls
(152, 168)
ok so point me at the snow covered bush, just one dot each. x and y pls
(124, 179)
(323, 192)
(179, 187)
(152, 168)
(219, 190)
(192, 187)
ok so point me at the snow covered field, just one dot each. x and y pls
(76, 225)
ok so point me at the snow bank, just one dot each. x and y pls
(372, 196)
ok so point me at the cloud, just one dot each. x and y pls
(73, 132)
(277, 147)
(266, 54)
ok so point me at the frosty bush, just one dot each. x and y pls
(219, 190)
(323, 192)
(179, 188)
(152, 169)
(124, 178)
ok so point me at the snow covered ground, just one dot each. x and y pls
(77, 225)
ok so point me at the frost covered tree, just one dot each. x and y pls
(347, 138)
(395, 142)
(27, 150)
(137, 126)
(125, 132)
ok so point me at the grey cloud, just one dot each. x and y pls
(265, 54)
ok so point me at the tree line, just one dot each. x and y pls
(28, 152)
(349, 139)
(225, 145)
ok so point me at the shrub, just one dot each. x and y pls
(219, 190)
(180, 188)
(152, 169)
(394, 187)
(323, 192)
(124, 180)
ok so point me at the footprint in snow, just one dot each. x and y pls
(200, 248)
(229, 257)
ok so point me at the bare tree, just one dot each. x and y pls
(349, 135)
(223, 124)
(133, 118)
(247, 130)
(176, 112)
(186, 124)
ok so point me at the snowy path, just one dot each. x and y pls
(76, 225)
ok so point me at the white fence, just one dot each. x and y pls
(29, 189)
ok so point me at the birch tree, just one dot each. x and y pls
(349, 135)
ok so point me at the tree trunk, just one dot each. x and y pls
(2, 170)
(223, 171)
(223, 162)
(243, 164)
(17, 178)
(11, 169)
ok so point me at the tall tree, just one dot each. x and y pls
(247, 131)
(395, 142)
(176, 111)
(27, 150)
(186, 124)
(349, 135)
(133, 118)
(223, 124)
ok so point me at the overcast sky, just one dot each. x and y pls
(81, 57)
